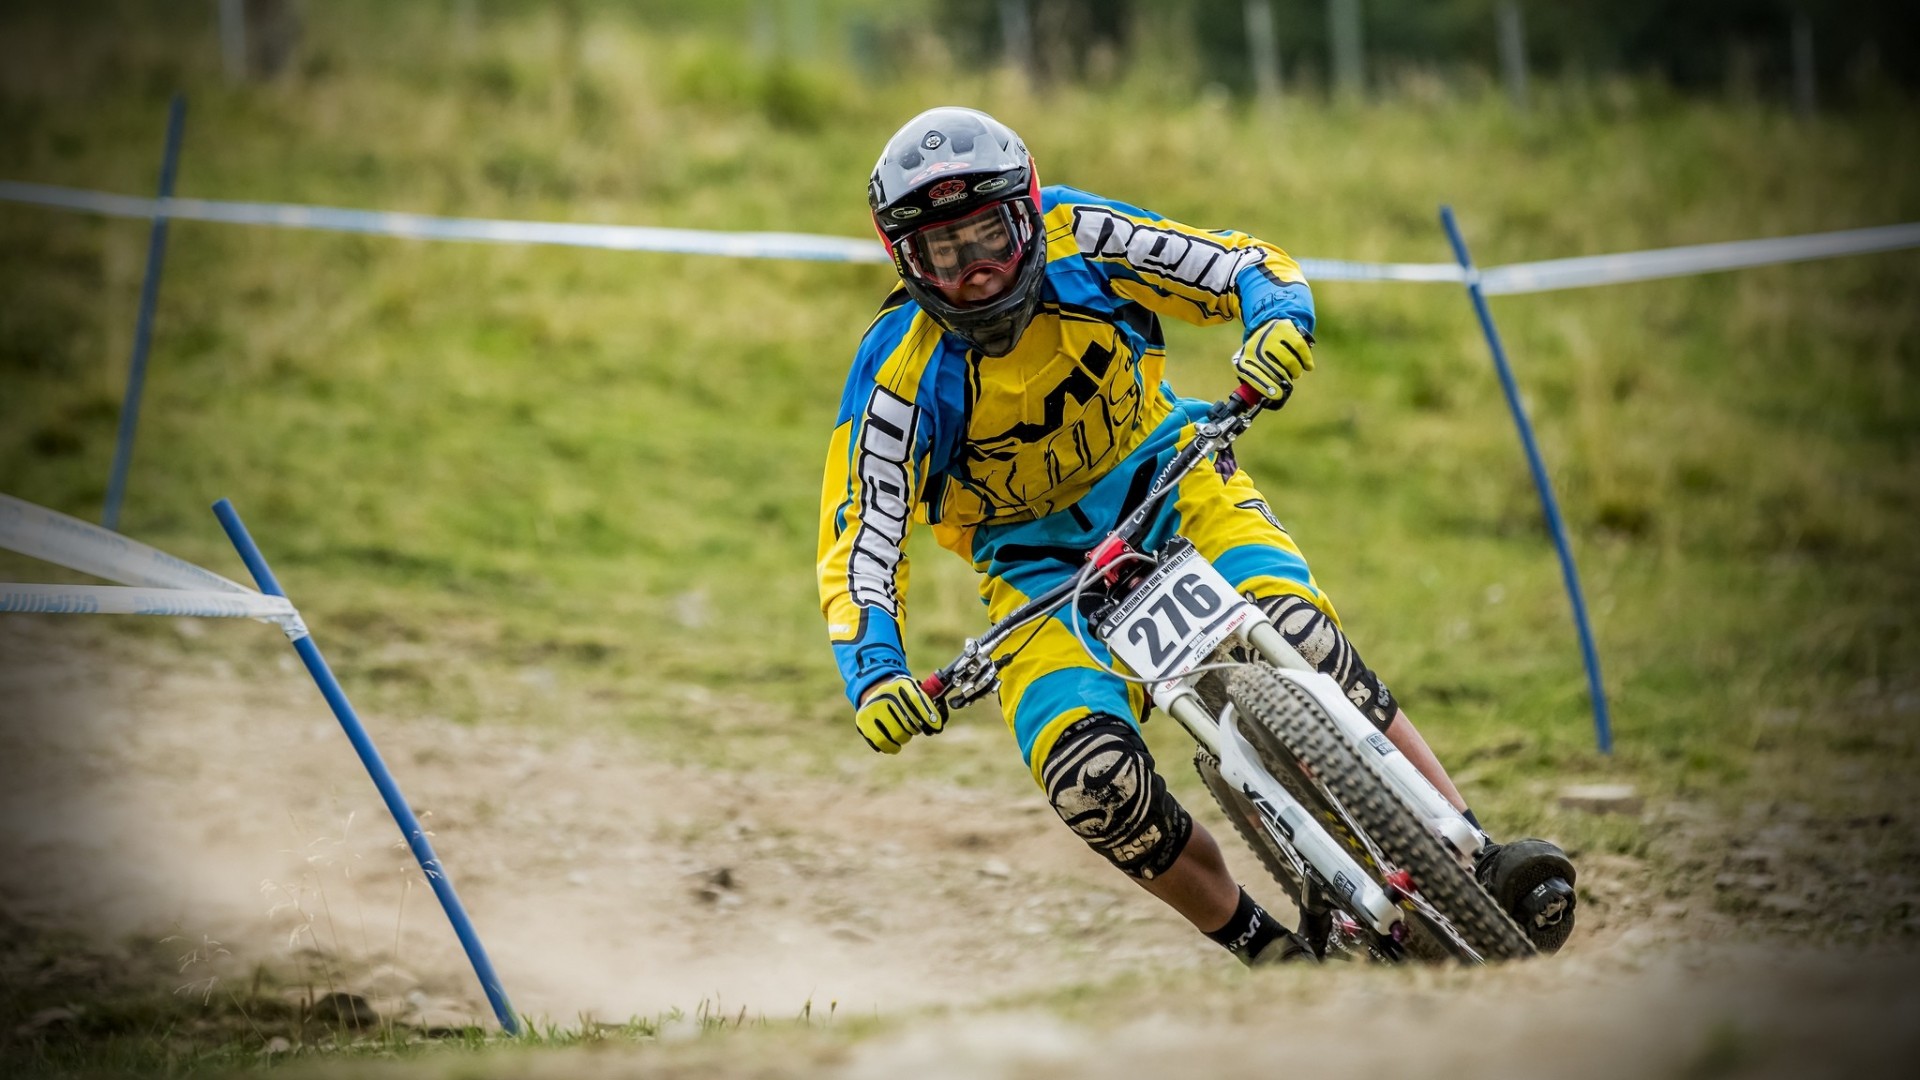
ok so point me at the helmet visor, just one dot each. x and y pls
(946, 254)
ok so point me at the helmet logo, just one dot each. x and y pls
(932, 141)
(994, 184)
(947, 191)
(904, 212)
(934, 169)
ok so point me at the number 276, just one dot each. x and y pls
(1186, 596)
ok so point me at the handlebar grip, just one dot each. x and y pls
(934, 684)
(1244, 400)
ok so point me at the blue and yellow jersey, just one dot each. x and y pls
(930, 430)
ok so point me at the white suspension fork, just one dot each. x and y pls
(1281, 811)
(1368, 742)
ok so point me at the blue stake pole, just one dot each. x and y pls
(1602, 727)
(382, 779)
(143, 328)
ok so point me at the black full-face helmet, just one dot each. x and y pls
(955, 192)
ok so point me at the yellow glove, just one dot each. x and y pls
(1274, 355)
(896, 710)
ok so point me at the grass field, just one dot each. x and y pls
(472, 463)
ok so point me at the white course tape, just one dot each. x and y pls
(1699, 259)
(122, 600)
(746, 245)
(740, 245)
(1341, 270)
(1495, 281)
(67, 541)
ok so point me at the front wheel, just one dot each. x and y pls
(1288, 726)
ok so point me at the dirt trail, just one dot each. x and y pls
(232, 810)
(227, 807)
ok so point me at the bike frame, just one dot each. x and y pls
(1113, 564)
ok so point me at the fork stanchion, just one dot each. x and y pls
(1602, 726)
(403, 815)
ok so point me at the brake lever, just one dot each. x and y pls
(964, 681)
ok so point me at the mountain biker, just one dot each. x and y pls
(1009, 393)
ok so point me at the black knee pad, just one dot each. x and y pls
(1101, 781)
(1320, 642)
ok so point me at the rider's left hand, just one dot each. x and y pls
(1275, 354)
(896, 710)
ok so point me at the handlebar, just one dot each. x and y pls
(1245, 399)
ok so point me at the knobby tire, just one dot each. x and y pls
(1288, 726)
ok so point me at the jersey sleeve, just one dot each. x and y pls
(877, 466)
(1195, 275)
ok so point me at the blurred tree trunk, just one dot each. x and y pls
(566, 58)
(764, 36)
(1742, 74)
(1016, 35)
(1805, 84)
(258, 37)
(1349, 48)
(804, 24)
(273, 36)
(1513, 53)
(1263, 52)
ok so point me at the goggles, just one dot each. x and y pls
(992, 238)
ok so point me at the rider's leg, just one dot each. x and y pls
(1100, 778)
(1406, 737)
(1198, 885)
(1316, 635)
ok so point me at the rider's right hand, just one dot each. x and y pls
(896, 710)
(1274, 356)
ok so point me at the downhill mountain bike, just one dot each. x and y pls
(1341, 819)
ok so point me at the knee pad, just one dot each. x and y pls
(1101, 781)
(1320, 642)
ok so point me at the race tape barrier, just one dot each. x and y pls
(739, 245)
(1506, 280)
(155, 583)
(1591, 270)
(50, 536)
(123, 600)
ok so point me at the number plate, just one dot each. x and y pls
(1175, 619)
